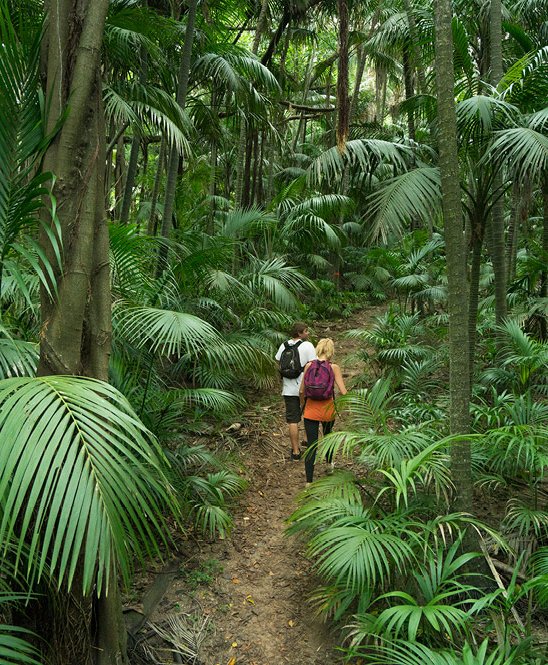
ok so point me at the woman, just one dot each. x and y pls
(318, 411)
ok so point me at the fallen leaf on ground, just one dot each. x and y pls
(232, 661)
(249, 599)
(234, 645)
(291, 623)
(235, 580)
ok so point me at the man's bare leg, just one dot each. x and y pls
(294, 437)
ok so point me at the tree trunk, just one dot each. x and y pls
(76, 328)
(409, 90)
(498, 248)
(152, 220)
(459, 372)
(360, 68)
(119, 175)
(131, 175)
(173, 163)
(342, 77)
(544, 275)
(477, 232)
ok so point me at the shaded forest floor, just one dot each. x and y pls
(253, 589)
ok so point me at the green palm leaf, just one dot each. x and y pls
(412, 195)
(525, 149)
(148, 106)
(364, 154)
(14, 650)
(81, 480)
(164, 331)
(360, 553)
(17, 357)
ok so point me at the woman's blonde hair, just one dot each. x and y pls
(325, 348)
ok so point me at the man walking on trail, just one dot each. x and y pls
(293, 355)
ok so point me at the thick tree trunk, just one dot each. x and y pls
(459, 374)
(76, 326)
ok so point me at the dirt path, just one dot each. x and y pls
(257, 600)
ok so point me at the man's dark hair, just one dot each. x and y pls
(298, 328)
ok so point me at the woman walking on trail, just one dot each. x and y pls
(320, 377)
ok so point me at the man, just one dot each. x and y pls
(291, 386)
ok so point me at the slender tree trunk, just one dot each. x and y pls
(306, 89)
(343, 106)
(459, 371)
(131, 175)
(544, 275)
(76, 327)
(143, 191)
(498, 246)
(360, 68)
(174, 158)
(152, 221)
(409, 90)
(119, 176)
(328, 125)
(477, 233)
(243, 141)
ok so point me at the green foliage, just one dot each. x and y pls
(24, 188)
(81, 480)
(204, 574)
(330, 302)
(204, 489)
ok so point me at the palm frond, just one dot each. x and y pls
(412, 195)
(364, 154)
(525, 149)
(165, 331)
(80, 478)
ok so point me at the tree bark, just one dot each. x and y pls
(498, 247)
(131, 175)
(76, 327)
(360, 68)
(152, 220)
(343, 106)
(544, 275)
(409, 90)
(459, 372)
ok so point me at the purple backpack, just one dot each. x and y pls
(319, 380)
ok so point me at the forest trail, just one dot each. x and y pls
(260, 581)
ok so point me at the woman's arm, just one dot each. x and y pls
(339, 379)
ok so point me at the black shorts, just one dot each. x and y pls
(292, 408)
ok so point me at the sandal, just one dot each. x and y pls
(295, 456)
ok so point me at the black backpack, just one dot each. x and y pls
(290, 360)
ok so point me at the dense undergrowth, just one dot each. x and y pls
(405, 577)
